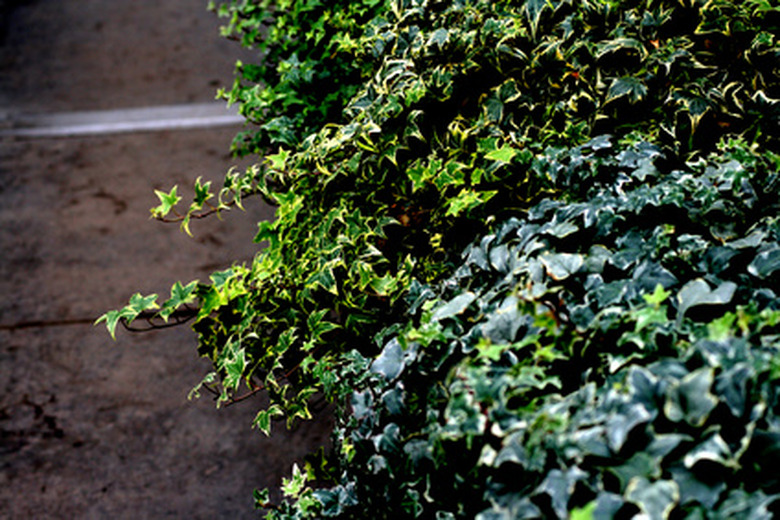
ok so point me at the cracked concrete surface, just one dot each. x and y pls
(91, 428)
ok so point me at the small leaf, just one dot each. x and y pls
(112, 320)
(262, 420)
(167, 202)
(559, 486)
(293, 486)
(234, 368)
(658, 297)
(325, 279)
(691, 487)
(180, 295)
(317, 326)
(620, 425)
(202, 194)
(713, 450)
(278, 161)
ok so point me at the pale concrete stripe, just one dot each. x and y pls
(146, 119)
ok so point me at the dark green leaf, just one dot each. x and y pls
(765, 263)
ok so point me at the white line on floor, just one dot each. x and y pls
(72, 124)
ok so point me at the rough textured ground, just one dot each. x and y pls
(91, 428)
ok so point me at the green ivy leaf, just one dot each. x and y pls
(632, 88)
(697, 292)
(180, 295)
(439, 38)
(562, 265)
(202, 194)
(318, 326)
(390, 362)
(654, 499)
(466, 200)
(765, 263)
(505, 154)
(235, 364)
(130, 312)
(658, 297)
(278, 161)
(384, 285)
(454, 307)
(262, 420)
(690, 399)
(167, 202)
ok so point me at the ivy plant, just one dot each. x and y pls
(611, 356)
(309, 65)
(609, 168)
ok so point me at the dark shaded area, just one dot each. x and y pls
(91, 428)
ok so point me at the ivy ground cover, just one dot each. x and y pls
(528, 248)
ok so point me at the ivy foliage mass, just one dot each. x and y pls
(529, 249)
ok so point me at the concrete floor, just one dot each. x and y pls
(89, 427)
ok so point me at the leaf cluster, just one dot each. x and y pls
(308, 65)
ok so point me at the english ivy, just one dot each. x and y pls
(608, 336)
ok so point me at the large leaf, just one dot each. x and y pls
(698, 292)
(765, 263)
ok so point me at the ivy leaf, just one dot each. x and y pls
(262, 420)
(583, 513)
(180, 295)
(467, 200)
(112, 320)
(167, 202)
(690, 399)
(325, 279)
(220, 278)
(658, 297)
(706, 493)
(655, 499)
(293, 486)
(129, 312)
(620, 425)
(714, 450)
(278, 161)
(559, 486)
(202, 194)
(318, 326)
(455, 306)
(628, 86)
(765, 263)
(562, 265)
(439, 38)
(384, 285)
(533, 12)
(234, 366)
(619, 45)
(390, 362)
(505, 154)
(698, 292)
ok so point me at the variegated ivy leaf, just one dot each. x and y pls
(167, 202)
